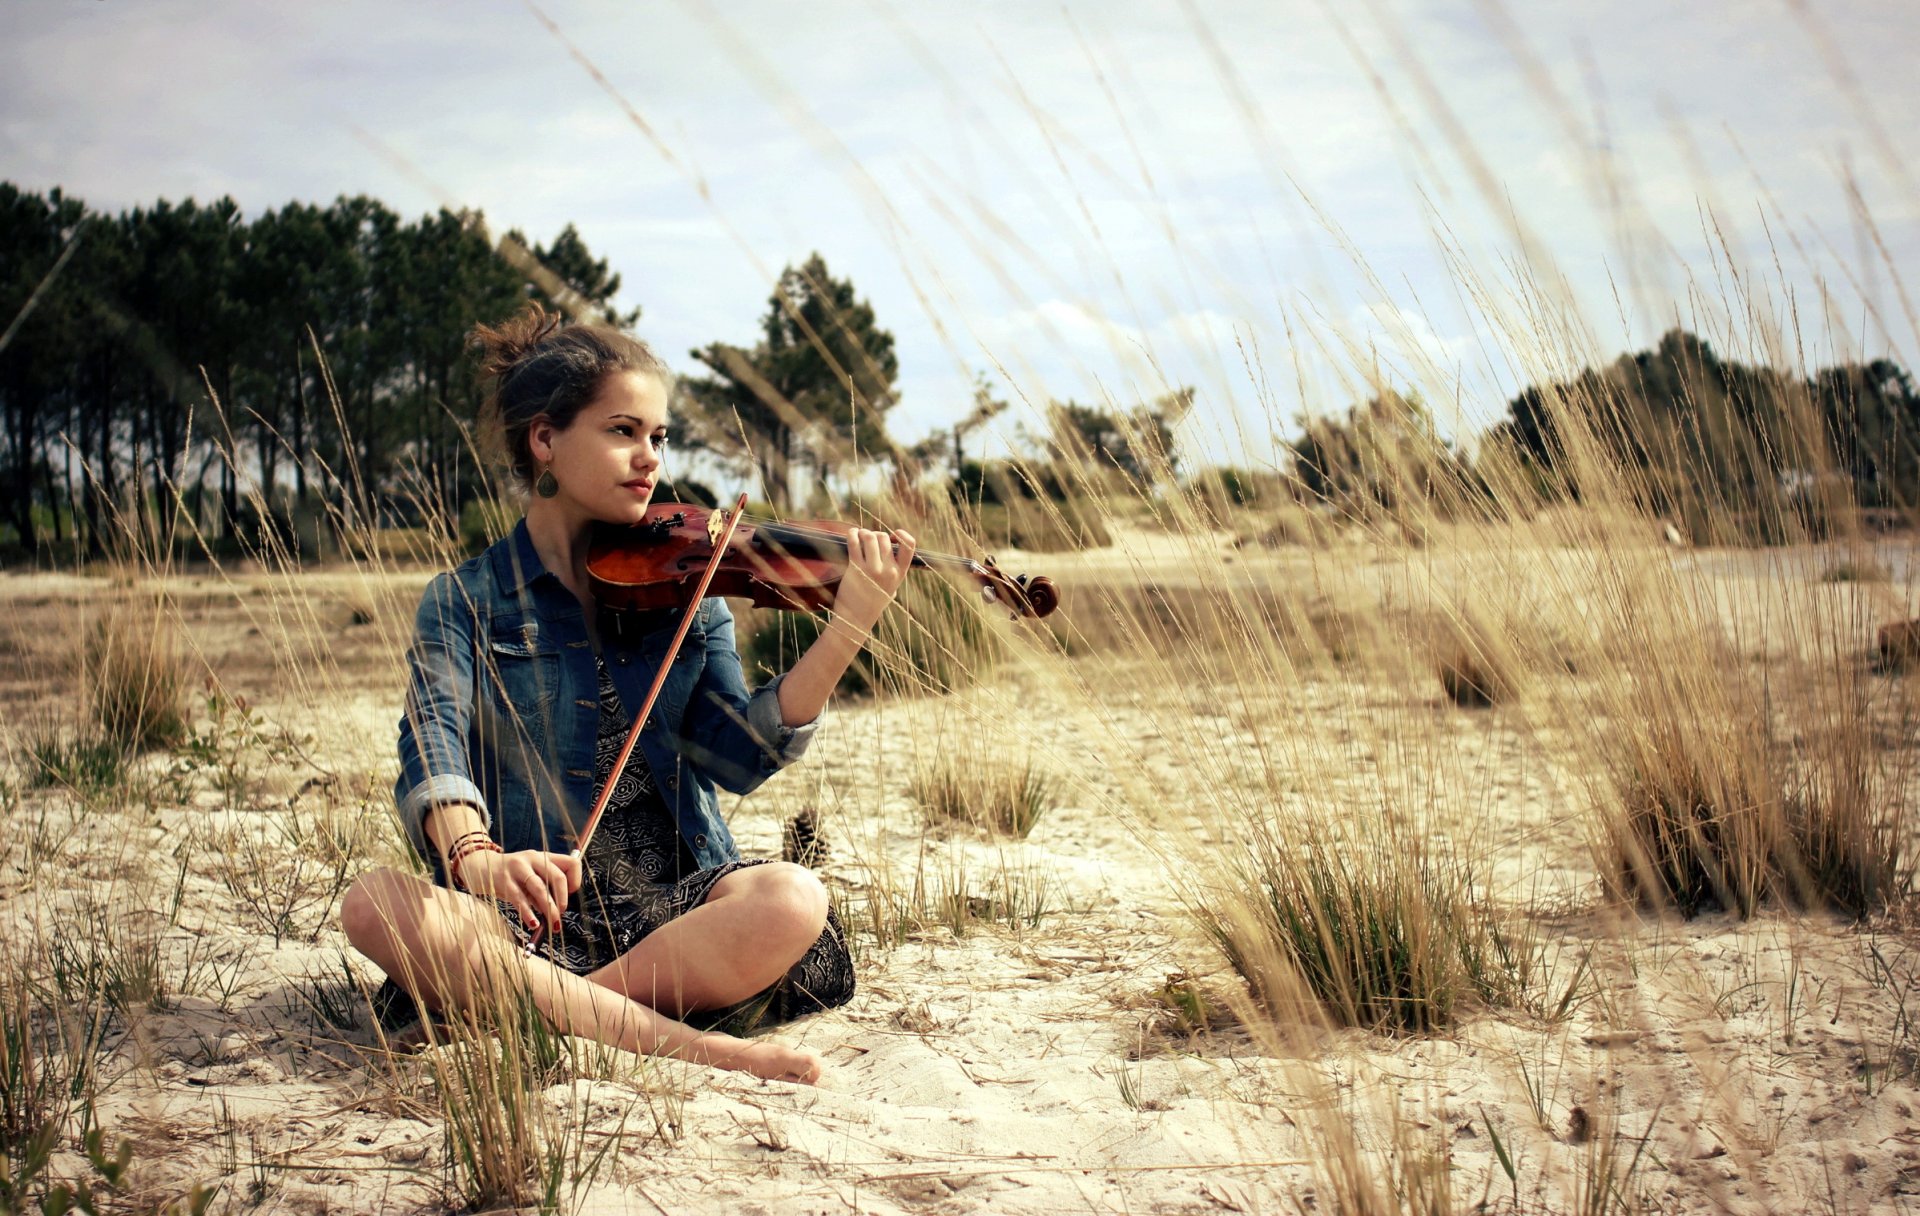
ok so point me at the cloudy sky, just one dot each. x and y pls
(1095, 200)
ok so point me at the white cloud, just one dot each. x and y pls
(1093, 244)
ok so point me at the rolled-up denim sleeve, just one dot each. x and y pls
(434, 766)
(738, 737)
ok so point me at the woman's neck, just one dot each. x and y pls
(560, 538)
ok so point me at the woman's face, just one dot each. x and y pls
(608, 460)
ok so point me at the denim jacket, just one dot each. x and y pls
(503, 710)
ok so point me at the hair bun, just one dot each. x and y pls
(540, 366)
(503, 346)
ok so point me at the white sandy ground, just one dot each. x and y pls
(1765, 1066)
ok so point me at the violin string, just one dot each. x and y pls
(822, 534)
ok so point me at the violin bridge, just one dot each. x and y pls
(716, 524)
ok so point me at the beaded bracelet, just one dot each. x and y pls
(460, 845)
(462, 839)
(461, 852)
(466, 844)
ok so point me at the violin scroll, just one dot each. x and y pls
(1023, 595)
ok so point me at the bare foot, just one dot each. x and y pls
(772, 1062)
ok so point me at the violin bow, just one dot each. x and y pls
(720, 528)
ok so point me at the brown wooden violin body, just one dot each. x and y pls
(658, 562)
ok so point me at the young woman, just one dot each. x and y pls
(518, 701)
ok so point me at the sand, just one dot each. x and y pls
(1028, 1065)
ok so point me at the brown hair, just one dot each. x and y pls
(539, 365)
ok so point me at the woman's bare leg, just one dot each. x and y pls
(450, 949)
(755, 925)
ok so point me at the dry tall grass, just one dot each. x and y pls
(1292, 703)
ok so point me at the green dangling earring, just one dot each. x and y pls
(546, 486)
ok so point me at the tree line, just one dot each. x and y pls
(314, 351)
(305, 371)
(1732, 452)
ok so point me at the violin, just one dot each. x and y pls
(659, 562)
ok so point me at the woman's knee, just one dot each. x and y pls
(787, 897)
(374, 907)
(387, 912)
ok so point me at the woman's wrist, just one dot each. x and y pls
(446, 822)
(462, 853)
(850, 628)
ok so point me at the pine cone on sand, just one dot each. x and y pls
(802, 841)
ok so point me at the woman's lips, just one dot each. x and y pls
(640, 487)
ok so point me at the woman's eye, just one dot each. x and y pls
(623, 429)
(660, 440)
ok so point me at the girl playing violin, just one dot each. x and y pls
(516, 707)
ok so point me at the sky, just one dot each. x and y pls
(1285, 204)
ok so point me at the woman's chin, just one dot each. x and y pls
(633, 511)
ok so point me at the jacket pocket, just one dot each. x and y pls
(523, 669)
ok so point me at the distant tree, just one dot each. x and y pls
(449, 277)
(949, 443)
(1728, 447)
(1384, 455)
(288, 253)
(43, 344)
(331, 339)
(591, 279)
(1139, 443)
(1872, 415)
(189, 324)
(811, 392)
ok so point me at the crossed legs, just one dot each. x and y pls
(755, 924)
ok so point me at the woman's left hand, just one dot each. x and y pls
(877, 564)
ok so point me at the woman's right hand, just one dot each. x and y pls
(537, 884)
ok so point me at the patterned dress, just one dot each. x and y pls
(637, 875)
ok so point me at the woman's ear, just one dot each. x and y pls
(540, 439)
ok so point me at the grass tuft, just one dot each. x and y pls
(112, 958)
(1896, 647)
(1399, 942)
(1849, 570)
(1475, 667)
(1706, 825)
(996, 795)
(1692, 829)
(947, 898)
(59, 758)
(494, 1061)
(36, 1087)
(135, 678)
